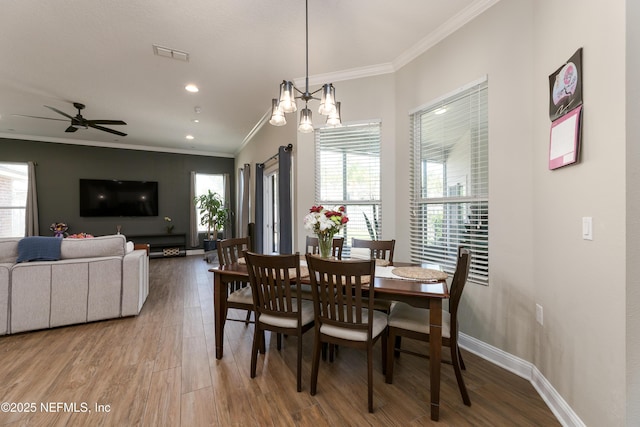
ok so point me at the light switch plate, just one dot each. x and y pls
(587, 228)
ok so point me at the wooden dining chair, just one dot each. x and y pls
(312, 246)
(341, 315)
(381, 250)
(277, 301)
(412, 322)
(231, 251)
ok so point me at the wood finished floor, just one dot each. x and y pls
(159, 369)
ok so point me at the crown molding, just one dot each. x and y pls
(113, 145)
(443, 31)
(350, 74)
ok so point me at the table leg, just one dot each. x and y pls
(219, 311)
(435, 349)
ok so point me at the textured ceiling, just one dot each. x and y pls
(100, 53)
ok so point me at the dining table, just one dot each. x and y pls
(424, 294)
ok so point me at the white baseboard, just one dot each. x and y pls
(563, 412)
(195, 252)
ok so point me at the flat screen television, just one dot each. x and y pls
(102, 197)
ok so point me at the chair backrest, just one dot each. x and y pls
(458, 282)
(337, 288)
(275, 284)
(312, 246)
(229, 250)
(380, 249)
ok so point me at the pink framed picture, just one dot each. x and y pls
(564, 141)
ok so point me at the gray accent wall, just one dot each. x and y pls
(61, 166)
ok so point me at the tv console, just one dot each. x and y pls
(162, 245)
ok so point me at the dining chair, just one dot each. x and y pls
(230, 251)
(381, 250)
(341, 315)
(413, 323)
(312, 246)
(278, 304)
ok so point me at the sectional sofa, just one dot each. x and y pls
(93, 279)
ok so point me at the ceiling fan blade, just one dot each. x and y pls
(106, 122)
(59, 112)
(71, 129)
(38, 117)
(106, 129)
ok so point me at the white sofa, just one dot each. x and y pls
(94, 279)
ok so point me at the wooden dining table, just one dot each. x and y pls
(416, 293)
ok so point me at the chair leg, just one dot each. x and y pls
(393, 338)
(315, 364)
(279, 341)
(384, 352)
(263, 349)
(299, 363)
(324, 351)
(398, 345)
(370, 376)
(248, 318)
(464, 368)
(455, 360)
(254, 350)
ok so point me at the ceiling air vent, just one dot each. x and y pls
(170, 53)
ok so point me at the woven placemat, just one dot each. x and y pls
(419, 273)
(382, 262)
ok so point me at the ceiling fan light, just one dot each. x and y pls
(328, 100)
(334, 120)
(277, 115)
(287, 97)
(306, 126)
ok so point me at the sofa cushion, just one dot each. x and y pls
(39, 248)
(9, 250)
(113, 245)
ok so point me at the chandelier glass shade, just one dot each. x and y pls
(286, 102)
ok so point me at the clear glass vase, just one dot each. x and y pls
(325, 244)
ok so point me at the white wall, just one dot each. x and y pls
(633, 213)
(581, 284)
(537, 254)
(496, 44)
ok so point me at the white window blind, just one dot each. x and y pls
(450, 181)
(14, 180)
(348, 173)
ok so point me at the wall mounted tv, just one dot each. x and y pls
(101, 197)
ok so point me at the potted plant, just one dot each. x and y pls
(213, 214)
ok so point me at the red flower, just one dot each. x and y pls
(341, 209)
(316, 209)
(344, 220)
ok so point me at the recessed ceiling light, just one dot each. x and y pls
(189, 137)
(191, 88)
(195, 121)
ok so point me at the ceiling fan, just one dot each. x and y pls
(78, 121)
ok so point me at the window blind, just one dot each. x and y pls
(348, 173)
(14, 183)
(450, 181)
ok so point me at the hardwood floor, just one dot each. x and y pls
(160, 369)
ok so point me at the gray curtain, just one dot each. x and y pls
(244, 175)
(284, 200)
(31, 216)
(193, 225)
(228, 227)
(259, 204)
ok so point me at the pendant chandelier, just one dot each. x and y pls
(286, 103)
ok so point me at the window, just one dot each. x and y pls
(13, 199)
(348, 173)
(450, 181)
(205, 182)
